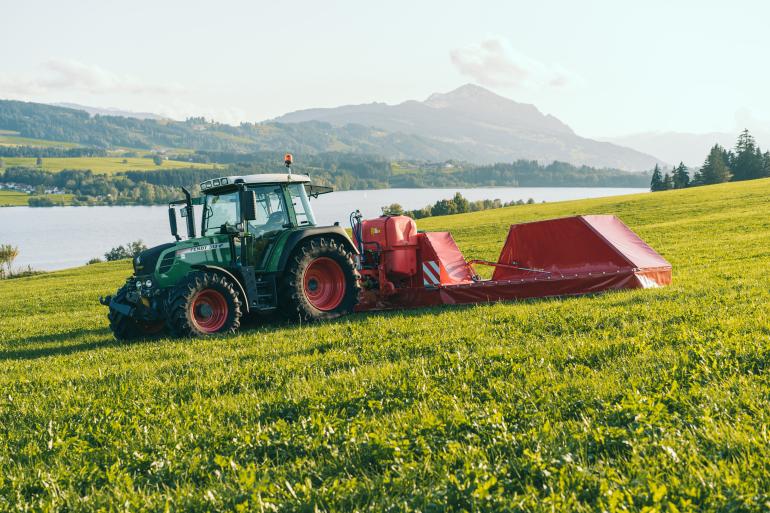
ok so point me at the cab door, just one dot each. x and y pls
(271, 220)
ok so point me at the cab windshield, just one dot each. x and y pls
(219, 212)
(222, 211)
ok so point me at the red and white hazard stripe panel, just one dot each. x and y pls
(431, 273)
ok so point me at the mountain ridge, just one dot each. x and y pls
(485, 125)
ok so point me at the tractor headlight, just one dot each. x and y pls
(148, 283)
(138, 284)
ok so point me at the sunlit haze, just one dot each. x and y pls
(606, 68)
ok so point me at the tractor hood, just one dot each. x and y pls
(144, 262)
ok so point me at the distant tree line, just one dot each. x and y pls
(128, 188)
(339, 170)
(745, 162)
(50, 152)
(523, 173)
(455, 205)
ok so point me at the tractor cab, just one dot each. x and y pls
(256, 211)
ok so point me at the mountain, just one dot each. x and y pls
(101, 111)
(482, 127)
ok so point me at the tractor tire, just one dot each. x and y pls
(203, 304)
(320, 282)
(125, 328)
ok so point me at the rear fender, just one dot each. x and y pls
(229, 275)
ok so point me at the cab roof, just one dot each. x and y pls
(227, 182)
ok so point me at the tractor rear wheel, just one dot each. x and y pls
(320, 282)
(127, 328)
(203, 304)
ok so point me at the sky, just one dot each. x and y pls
(606, 68)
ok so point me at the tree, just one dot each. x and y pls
(656, 184)
(393, 210)
(8, 254)
(681, 176)
(462, 205)
(668, 182)
(157, 159)
(443, 208)
(747, 162)
(130, 250)
(714, 169)
(39, 162)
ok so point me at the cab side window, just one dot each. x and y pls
(271, 213)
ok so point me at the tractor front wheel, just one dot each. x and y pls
(203, 304)
(127, 328)
(321, 282)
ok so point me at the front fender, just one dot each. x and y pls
(230, 275)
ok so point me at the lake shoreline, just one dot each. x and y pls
(488, 187)
(52, 238)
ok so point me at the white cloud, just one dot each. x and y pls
(494, 63)
(59, 75)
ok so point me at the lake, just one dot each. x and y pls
(60, 237)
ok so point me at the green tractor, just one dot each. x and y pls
(259, 251)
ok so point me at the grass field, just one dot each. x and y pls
(13, 198)
(21, 199)
(10, 138)
(108, 165)
(647, 400)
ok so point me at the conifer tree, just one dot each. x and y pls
(747, 162)
(681, 176)
(715, 169)
(656, 184)
(668, 182)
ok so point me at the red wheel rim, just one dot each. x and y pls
(324, 284)
(209, 311)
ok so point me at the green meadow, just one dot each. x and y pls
(646, 400)
(21, 199)
(105, 165)
(11, 138)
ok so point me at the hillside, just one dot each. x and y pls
(484, 125)
(34, 121)
(647, 400)
(469, 124)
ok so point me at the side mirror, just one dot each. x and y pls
(249, 205)
(172, 223)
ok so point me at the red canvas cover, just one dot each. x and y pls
(626, 242)
(558, 246)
